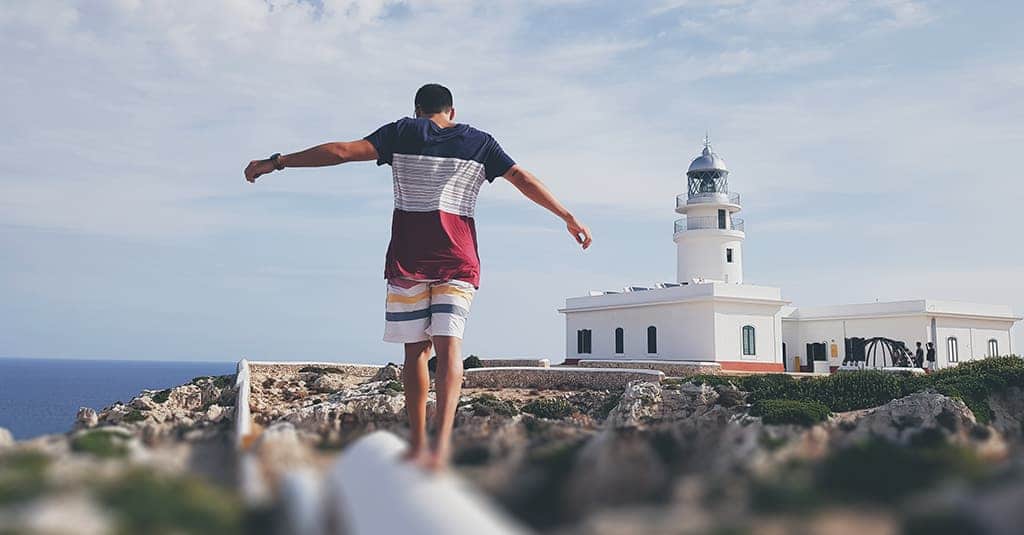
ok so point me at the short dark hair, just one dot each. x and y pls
(433, 98)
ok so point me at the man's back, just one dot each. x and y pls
(437, 174)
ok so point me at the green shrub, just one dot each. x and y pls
(135, 415)
(609, 404)
(100, 443)
(22, 476)
(489, 404)
(552, 408)
(789, 411)
(774, 386)
(162, 396)
(394, 386)
(707, 379)
(319, 369)
(471, 362)
(144, 502)
(862, 389)
(974, 381)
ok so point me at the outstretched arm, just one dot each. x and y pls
(536, 191)
(319, 156)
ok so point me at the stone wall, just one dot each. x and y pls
(292, 368)
(670, 368)
(557, 378)
(507, 363)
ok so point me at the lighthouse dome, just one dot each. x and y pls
(707, 161)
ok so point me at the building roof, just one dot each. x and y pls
(929, 307)
(707, 161)
(710, 291)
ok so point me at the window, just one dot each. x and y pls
(749, 345)
(728, 255)
(993, 348)
(952, 349)
(619, 342)
(721, 219)
(583, 341)
(652, 339)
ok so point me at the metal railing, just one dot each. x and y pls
(707, 222)
(707, 197)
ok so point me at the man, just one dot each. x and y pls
(919, 356)
(432, 268)
(930, 357)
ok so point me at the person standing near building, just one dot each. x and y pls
(918, 356)
(930, 357)
(432, 266)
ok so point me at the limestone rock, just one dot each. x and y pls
(390, 372)
(328, 383)
(364, 405)
(6, 438)
(86, 418)
(615, 467)
(639, 401)
(902, 419)
(143, 403)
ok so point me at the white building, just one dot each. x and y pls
(709, 314)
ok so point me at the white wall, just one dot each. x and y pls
(972, 334)
(701, 254)
(730, 318)
(797, 334)
(972, 337)
(685, 331)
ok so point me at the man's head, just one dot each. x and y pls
(929, 345)
(432, 99)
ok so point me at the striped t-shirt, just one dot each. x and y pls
(437, 176)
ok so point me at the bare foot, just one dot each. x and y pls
(434, 462)
(416, 456)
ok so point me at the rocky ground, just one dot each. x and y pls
(855, 454)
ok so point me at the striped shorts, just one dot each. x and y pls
(417, 310)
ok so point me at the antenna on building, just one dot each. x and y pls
(707, 140)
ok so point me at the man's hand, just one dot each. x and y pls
(579, 231)
(257, 168)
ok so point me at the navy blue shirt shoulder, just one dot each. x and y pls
(421, 136)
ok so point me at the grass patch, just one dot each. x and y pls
(489, 404)
(22, 476)
(144, 502)
(471, 362)
(394, 386)
(552, 408)
(789, 411)
(100, 443)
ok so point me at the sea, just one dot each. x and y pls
(41, 396)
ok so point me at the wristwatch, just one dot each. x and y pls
(276, 160)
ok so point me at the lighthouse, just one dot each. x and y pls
(709, 239)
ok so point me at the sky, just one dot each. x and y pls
(875, 144)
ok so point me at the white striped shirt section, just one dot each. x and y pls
(428, 183)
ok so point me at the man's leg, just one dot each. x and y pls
(449, 387)
(416, 381)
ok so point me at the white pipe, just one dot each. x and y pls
(375, 493)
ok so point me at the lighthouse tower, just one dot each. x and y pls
(709, 239)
